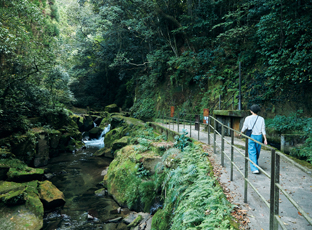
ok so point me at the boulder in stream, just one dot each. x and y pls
(50, 195)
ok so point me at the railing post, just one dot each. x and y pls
(191, 127)
(222, 145)
(198, 129)
(214, 137)
(208, 130)
(274, 191)
(246, 171)
(232, 153)
(178, 122)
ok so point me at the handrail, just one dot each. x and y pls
(275, 186)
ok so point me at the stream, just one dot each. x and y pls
(78, 176)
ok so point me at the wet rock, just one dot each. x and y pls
(116, 220)
(135, 222)
(133, 215)
(100, 192)
(48, 176)
(104, 172)
(116, 211)
(87, 123)
(104, 152)
(50, 196)
(95, 132)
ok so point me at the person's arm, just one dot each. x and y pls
(264, 133)
(265, 139)
(244, 127)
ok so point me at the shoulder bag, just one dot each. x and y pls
(249, 131)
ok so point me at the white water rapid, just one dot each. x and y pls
(98, 142)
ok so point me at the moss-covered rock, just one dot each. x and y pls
(24, 146)
(120, 143)
(125, 182)
(25, 174)
(112, 108)
(78, 120)
(32, 198)
(104, 152)
(135, 222)
(95, 132)
(113, 135)
(19, 217)
(12, 193)
(50, 196)
(87, 123)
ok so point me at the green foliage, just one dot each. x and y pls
(142, 172)
(143, 109)
(182, 141)
(183, 185)
(294, 123)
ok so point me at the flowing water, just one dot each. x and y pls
(78, 176)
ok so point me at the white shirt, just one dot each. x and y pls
(258, 129)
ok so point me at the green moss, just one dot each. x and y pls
(112, 108)
(231, 113)
(34, 205)
(28, 171)
(161, 219)
(135, 222)
(113, 135)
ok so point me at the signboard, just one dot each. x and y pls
(172, 111)
(206, 116)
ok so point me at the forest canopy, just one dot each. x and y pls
(146, 55)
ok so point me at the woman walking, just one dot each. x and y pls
(255, 123)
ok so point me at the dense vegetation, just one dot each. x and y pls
(185, 53)
(148, 55)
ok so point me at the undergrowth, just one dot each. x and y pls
(193, 198)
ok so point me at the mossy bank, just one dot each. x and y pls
(172, 181)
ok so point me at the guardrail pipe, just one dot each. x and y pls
(246, 171)
(178, 122)
(214, 137)
(208, 131)
(232, 154)
(198, 129)
(272, 190)
(222, 145)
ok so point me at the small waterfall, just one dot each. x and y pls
(98, 142)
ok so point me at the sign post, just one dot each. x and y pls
(206, 116)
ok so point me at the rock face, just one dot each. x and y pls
(42, 156)
(50, 196)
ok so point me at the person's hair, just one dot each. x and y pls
(255, 108)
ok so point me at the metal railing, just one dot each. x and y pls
(275, 186)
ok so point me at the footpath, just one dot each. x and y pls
(294, 180)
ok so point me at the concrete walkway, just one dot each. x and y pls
(295, 181)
